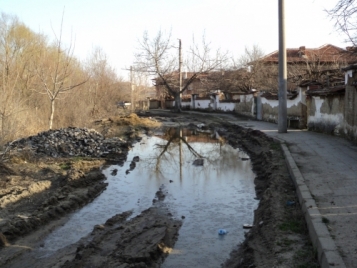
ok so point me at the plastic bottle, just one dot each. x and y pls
(222, 232)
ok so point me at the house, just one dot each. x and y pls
(314, 77)
(304, 64)
(326, 55)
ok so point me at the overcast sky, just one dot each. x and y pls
(116, 25)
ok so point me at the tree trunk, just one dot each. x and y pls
(177, 102)
(52, 112)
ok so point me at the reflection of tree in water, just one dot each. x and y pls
(180, 137)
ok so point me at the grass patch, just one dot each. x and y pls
(292, 226)
(65, 166)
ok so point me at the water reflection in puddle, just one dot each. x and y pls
(216, 195)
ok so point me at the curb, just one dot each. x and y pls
(327, 252)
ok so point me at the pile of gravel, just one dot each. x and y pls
(70, 141)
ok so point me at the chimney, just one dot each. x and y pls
(301, 51)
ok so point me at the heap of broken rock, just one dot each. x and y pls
(70, 141)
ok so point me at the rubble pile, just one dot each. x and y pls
(70, 141)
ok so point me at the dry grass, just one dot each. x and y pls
(5, 170)
(86, 164)
(118, 126)
(134, 120)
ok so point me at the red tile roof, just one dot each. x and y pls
(326, 53)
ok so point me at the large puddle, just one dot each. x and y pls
(216, 195)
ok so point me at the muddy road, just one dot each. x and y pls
(45, 178)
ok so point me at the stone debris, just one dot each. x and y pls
(71, 141)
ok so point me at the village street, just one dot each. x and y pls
(322, 167)
(328, 168)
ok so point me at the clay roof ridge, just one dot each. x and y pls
(270, 54)
(330, 45)
(306, 48)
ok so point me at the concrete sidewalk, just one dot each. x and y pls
(324, 169)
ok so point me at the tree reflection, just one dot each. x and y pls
(179, 137)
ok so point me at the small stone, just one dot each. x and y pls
(99, 227)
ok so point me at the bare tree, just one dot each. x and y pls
(18, 45)
(104, 87)
(243, 75)
(254, 69)
(344, 13)
(160, 58)
(56, 71)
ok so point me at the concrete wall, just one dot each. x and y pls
(155, 104)
(169, 104)
(185, 104)
(246, 105)
(334, 114)
(212, 103)
(198, 104)
(204, 104)
(143, 105)
(226, 106)
(349, 124)
(209, 103)
(296, 110)
(325, 113)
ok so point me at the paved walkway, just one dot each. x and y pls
(328, 166)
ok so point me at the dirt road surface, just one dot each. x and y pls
(43, 180)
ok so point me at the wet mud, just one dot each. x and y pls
(38, 194)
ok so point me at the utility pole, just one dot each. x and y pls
(180, 156)
(180, 72)
(282, 113)
(132, 88)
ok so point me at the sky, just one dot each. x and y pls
(115, 26)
